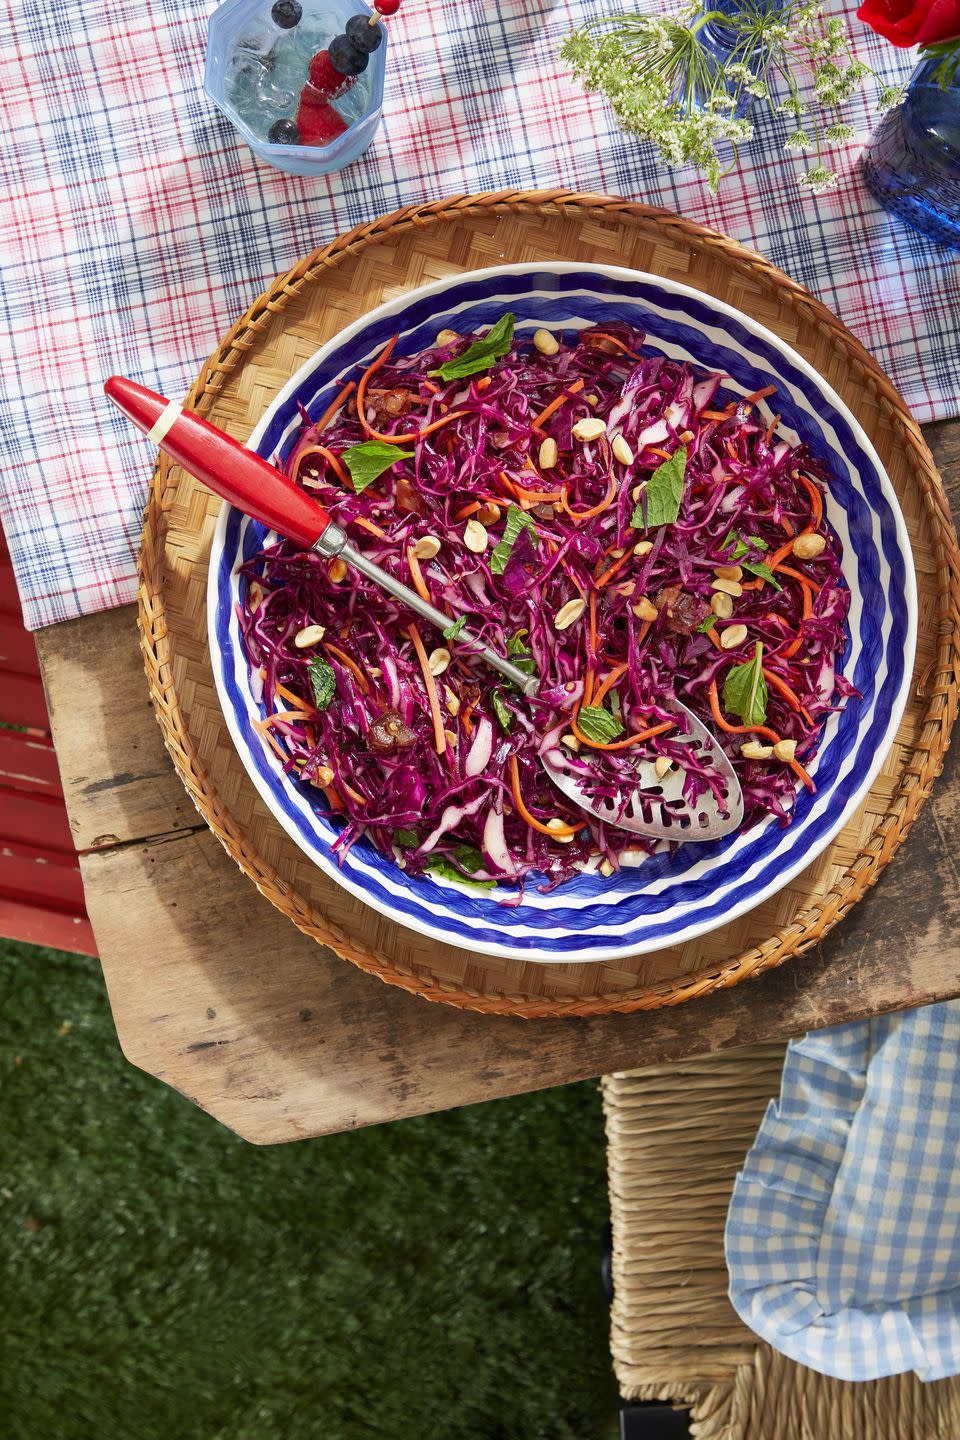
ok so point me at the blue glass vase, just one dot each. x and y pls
(912, 165)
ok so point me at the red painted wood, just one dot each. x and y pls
(48, 878)
(28, 763)
(22, 702)
(33, 926)
(34, 820)
(17, 650)
(41, 890)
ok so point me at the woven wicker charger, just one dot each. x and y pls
(313, 301)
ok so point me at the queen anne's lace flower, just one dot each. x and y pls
(668, 85)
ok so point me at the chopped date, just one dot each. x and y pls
(681, 613)
(409, 499)
(389, 732)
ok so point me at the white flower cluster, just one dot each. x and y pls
(668, 80)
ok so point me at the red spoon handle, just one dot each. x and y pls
(223, 464)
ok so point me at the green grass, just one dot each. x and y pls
(435, 1279)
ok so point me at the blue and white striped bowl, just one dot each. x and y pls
(668, 898)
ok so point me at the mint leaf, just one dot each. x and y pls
(663, 495)
(452, 631)
(740, 547)
(745, 690)
(468, 857)
(368, 461)
(598, 724)
(449, 871)
(516, 520)
(406, 839)
(707, 624)
(757, 567)
(664, 492)
(521, 656)
(482, 353)
(501, 711)
(323, 681)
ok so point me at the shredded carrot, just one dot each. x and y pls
(612, 340)
(508, 484)
(350, 665)
(332, 797)
(554, 405)
(337, 404)
(724, 724)
(558, 832)
(641, 735)
(416, 575)
(593, 622)
(540, 496)
(588, 680)
(790, 695)
(484, 383)
(771, 427)
(810, 587)
(750, 584)
(787, 524)
(296, 701)
(429, 386)
(374, 434)
(335, 466)
(714, 638)
(655, 450)
(365, 379)
(618, 565)
(730, 450)
(440, 740)
(643, 632)
(816, 500)
(756, 395)
(264, 725)
(780, 555)
(370, 526)
(577, 515)
(609, 683)
(274, 744)
(469, 510)
(799, 771)
(465, 719)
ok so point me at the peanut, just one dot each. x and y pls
(589, 428)
(645, 609)
(427, 547)
(733, 636)
(438, 660)
(728, 587)
(548, 453)
(568, 614)
(546, 343)
(308, 636)
(721, 605)
(622, 451)
(728, 572)
(475, 537)
(808, 546)
(785, 749)
(753, 750)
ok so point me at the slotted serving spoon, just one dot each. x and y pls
(655, 807)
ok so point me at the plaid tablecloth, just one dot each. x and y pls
(135, 226)
(843, 1237)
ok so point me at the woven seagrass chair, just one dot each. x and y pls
(685, 1363)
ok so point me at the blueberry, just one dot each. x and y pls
(286, 13)
(361, 33)
(346, 57)
(283, 132)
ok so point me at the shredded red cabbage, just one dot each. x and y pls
(464, 794)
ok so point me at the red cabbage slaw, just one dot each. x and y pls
(605, 517)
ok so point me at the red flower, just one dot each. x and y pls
(913, 22)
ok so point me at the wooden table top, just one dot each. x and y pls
(218, 995)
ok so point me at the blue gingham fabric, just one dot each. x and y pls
(843, 1235)
(135, 226)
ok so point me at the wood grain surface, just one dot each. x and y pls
(218, 995)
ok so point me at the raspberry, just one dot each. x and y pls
(317, 121)
(325, 77)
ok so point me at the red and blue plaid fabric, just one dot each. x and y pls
(136, 225)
